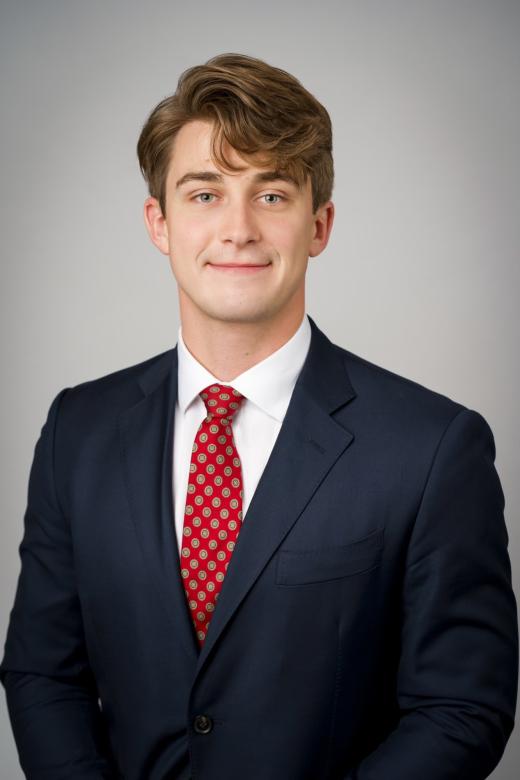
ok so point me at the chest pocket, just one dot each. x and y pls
(298, 567)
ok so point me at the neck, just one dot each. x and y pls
(227, 349)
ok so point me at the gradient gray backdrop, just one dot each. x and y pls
(421, 274)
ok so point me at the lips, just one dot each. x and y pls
(238, 269)
(239, 265)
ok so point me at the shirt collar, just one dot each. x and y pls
(268, 384)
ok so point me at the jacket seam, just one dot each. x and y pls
(58, 401)
(434, 460)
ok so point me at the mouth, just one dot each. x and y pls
(239, 267)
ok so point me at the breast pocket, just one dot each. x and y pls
(299, 567)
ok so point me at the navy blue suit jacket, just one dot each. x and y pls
(366, 628)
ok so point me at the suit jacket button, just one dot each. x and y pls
(202, 724)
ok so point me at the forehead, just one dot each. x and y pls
(191, 153)
(192, 144)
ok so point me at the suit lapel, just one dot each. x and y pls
(146, 438)
(307, 446)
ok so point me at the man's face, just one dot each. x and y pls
(238, 243)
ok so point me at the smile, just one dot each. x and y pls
(244, 269)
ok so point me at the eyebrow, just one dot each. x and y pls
(212, 176)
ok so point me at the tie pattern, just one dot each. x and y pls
(213, 511)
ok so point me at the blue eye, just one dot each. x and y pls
(206, 197)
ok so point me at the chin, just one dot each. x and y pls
(239, 314)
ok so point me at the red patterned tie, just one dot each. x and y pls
(213, 513)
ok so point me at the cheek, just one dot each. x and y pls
(290, 238)
(188, 235)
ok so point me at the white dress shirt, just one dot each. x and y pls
(267, 387)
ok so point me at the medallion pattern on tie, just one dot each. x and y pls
(213, 511)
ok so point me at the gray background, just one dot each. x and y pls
(421, 274)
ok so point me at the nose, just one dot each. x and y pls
(238, 224)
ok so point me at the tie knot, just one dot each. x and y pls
(221, 401)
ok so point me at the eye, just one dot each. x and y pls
(273, 195)
(205, 196)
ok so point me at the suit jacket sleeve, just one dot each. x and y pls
(51, 693)
(457, 677)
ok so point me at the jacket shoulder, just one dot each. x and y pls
(392, 396)
(117, 389)
(406, 418)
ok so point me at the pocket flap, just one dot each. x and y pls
(297, 567)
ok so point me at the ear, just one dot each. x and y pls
(156, 225)
(323, 219)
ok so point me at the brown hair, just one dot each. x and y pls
(262, 112)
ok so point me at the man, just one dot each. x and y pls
(257, 555)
